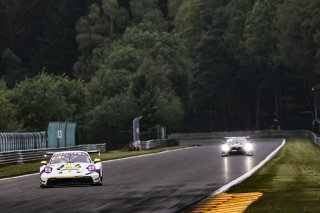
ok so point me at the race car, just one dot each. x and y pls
(236, 145)
(70, 168)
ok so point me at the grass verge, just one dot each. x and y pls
(12, 170)
(289, 182)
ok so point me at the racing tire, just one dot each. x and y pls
(100, 183)
(97, 184)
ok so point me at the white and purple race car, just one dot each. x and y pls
(70, 168)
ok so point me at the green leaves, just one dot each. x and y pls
(8, 114)
(47, 98)
(259, 41)
(105, 120)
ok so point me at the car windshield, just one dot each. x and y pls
(241, 140)
(231, 141)
(74, 157)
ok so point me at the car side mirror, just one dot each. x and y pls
(44, 162)
(97, 160)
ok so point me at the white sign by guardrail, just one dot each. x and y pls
(59, 134)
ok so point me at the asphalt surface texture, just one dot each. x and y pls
(165, 182)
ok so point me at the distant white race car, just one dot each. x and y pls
(70, 168)
(236, 145)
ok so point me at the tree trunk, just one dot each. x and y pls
(257, 124)
(277, 103)
(111, 25)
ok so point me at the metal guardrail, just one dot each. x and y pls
(22, 141)
(151, 144)
(21, 156)
(316, 139)
(262, 133)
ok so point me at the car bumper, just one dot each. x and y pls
(57, 180)
(237, 150)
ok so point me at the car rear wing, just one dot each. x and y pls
(48, 154)
(237, 137)
(94, 151)
(89, 152)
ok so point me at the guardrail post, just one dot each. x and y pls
(20, 157)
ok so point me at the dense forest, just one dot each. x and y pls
(189, 65)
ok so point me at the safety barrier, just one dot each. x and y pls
(22, 141)
(21, 156)
(151, 144)
(316, 139)
(262, 133)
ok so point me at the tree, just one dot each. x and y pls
(167, 57)
(47, 98)
(171, 110)
(56, 47)
(8, 114)
(13, 71)
(156, 104)
(202, 26)
(236, 12)
(108, 83)
(20, 28)
(41, 34)
(260, 46)
(145, 96)
(165, 54)
(91, 33)
(297, 37)
(97, 29)
(173, 7)
(107, 120)
(189, 25)
(125, 57)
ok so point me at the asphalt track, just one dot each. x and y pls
(165, 182)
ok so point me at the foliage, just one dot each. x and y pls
(145, 98)
(105, 120)
(47, 98)
(108, 83)
(41, 34)
(99, 27)
(8, 114)
(13, 71)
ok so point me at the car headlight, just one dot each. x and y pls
(91, 168)
(225, 147)
(248, 147)
(47, 169)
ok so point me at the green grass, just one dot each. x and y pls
(290, 182)
(32, 167)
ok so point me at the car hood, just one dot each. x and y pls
(236, 144)
(80, 167)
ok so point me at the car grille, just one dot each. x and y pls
(69, 181)
(237, 148)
